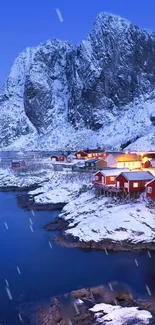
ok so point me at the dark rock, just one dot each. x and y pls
(72, 242)
(60, 313)
(56, 224)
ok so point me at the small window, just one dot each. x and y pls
(112, 178)
(96, 178)
(92, 164)
(135, 185)
(149, 189)
(118, 184)
(126, 185)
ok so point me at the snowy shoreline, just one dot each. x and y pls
(86, 221)
(91, 222)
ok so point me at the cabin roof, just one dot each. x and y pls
(138, 176)
(127, 157)
(152, 180)
(113, 172)
(92, 160)
(17, 161)
(78, 152)
(60, 156)
(80, 164)
(94, 151)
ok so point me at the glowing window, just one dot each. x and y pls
(112, 178)
(135, 184)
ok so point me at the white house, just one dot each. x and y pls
(124, 160)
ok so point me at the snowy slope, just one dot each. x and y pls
(61, 188)
(100, 92)
(97, 219)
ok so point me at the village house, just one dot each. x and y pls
(152, 163)
(133, 181)
(58, 158)
(70, 158)
(18, 163)
(107, 177)
(80, 155)
(123, 160)
(95, 154)
(146, 163)
(150, 189)
(95, 164)
(78, 166)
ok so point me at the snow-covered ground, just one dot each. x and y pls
(96, 219)
(61, 188)
(90, 218)
(8, 178)
(117, 315)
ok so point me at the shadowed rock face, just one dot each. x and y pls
(56, 82)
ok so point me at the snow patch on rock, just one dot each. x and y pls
(117, 315)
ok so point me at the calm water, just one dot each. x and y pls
(46, 272)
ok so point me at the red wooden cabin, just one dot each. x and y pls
(150, 189)
(18, 163)
(58, 158)
(107, 177)
(133, 181)
(146, 164)
(81, 155)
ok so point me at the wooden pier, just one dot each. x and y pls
(105, 190)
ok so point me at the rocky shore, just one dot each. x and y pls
(27, 202)
(91, 222)
(69, 241)
(77, 307)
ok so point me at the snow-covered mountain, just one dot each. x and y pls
(101, 92)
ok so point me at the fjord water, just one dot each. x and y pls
(47, 271)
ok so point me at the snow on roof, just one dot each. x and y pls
(95, 151)
(58, 155)
(126, 157)
(113, 172)
(81, 151)
(92, 160)
(152, 180)
(79, 163)
(137, 176)
(17, 161)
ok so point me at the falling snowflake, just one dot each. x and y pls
(59, 15)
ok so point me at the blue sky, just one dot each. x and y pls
(26, 23)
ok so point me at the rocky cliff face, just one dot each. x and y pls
(58, 94)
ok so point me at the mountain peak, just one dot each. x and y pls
(109, 18)
(64, 94)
